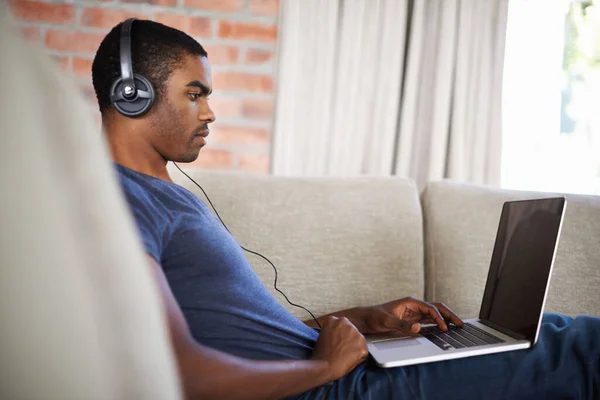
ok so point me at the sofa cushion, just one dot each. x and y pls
(461, 222)
(337, 243)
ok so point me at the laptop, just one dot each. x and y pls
(513, 300)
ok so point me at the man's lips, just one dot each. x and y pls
(202, 134)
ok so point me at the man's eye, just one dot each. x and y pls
(194, 96)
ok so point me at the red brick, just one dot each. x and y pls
(264, 7)
(223, 107)
(178, 21)
(243, 81)
(107, 17)
(63, 61)
(73, 41)
(257, 109)
(167, 3)
(229, 6)
(259, 56)
(31, 32)
(255, 162)
(213, 158)
(247, 31)
(200, 26)
(239, 135)
(222, 54)
(37, 11)
(82, 67)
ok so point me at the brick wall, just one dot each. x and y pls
(239, 35)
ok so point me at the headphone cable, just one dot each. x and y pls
(250, 251)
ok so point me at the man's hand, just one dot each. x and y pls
(404, 315)
(407, 315)
(341, 345)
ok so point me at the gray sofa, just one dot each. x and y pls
(339, 243)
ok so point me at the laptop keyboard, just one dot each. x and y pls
(459, 338)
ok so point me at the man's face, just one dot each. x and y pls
(180, 124)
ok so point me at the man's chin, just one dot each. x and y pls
(188, 158)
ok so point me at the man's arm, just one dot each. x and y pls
(210, 374)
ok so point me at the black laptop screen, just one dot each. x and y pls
(521, 263)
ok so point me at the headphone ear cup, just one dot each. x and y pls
(140, 104)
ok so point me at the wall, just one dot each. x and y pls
(239, 35)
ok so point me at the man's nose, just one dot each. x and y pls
(207, 115)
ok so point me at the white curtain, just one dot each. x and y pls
(390, 87)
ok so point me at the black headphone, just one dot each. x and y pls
(131, 94)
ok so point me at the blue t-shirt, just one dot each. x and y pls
(225, 304)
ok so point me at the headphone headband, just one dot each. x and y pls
(126, 61)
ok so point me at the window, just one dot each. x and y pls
(551, 97)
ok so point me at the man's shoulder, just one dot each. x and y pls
(151, 214)
(140, 193)
(148, 194)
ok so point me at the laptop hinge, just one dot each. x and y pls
(499, 328)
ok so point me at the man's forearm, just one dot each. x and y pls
(235, 378)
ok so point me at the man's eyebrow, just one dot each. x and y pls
(202, 86)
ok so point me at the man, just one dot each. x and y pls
(232, 339)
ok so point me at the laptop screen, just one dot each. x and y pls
(521, 262)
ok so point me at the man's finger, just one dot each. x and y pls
(328, 321)
(395, 323)
(448, 314)
(433, 312)
(427, 320)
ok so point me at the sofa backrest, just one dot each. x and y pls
(460, 224)
(336, 243)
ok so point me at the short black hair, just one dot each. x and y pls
(156, 51)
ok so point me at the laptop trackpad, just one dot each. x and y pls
(395, 344)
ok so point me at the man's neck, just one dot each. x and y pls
(130, 150)
(145, 166)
